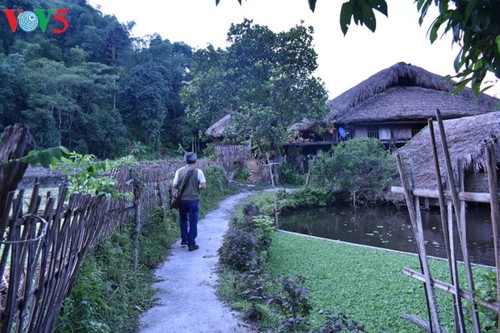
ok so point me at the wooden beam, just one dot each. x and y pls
(449, 288)
(434, 194)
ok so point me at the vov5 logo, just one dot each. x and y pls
(29, 20)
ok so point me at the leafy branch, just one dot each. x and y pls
(84, 171)
(89, 175)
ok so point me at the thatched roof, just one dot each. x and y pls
(466, 141)
(217, 129)
(303, 125)
(405, 92)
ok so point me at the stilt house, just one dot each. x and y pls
(393, 105)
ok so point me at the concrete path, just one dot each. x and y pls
(187, 300)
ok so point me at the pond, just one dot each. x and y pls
(388, 227)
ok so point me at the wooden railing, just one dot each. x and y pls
(452, 203)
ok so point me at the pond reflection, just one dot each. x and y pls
(386, 227)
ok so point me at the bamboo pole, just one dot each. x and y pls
(460, 223)
(452, 263)
(449, 169)
(270, 165)
(465, 251)
(431, 297)
(457, 300)
(495, 213)
(462, 196)
(138, 220)
(449, 288)
(419, 237)
(418, 233)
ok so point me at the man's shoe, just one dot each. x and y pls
(183, 243)
(193, 247)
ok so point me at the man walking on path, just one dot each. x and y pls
(189, 180)
(186, 297)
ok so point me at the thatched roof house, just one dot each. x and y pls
(466, 140)
(395, 103)
(406, 92)
(216, 131)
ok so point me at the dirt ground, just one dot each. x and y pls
(186, 291)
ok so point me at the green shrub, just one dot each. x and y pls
(86, 310)
(486, 289)
(306, 197)
(241, 174)
(239, 250)
(290, 175)
(252, 286)
(157, 236)
(360, 168)
(242, 257)
(293, 304)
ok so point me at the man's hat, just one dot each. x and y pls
(190, 158)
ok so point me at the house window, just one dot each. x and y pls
(373, 132)
(385, 133)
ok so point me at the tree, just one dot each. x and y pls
(173, 62)
(263, 79)
(144, 94)
(475, 27)
(206, 97)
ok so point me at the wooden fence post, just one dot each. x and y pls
(435, 324)
(495, 212)
(460, 226)
(15, 143)
(138, 218)
(270, 165)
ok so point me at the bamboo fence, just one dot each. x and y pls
(452, 203)
(43, 246)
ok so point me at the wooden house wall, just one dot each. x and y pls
(360, 132)
(478, 182)
(402, 133)
(385, 133)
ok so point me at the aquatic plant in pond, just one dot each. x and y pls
(388, 227)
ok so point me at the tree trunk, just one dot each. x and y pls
(16, 142)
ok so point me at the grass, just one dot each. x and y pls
(365, 283)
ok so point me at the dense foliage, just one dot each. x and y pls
(95, 90)
(290, 175)
(92, 89)
(263, 79)
(360, 168)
